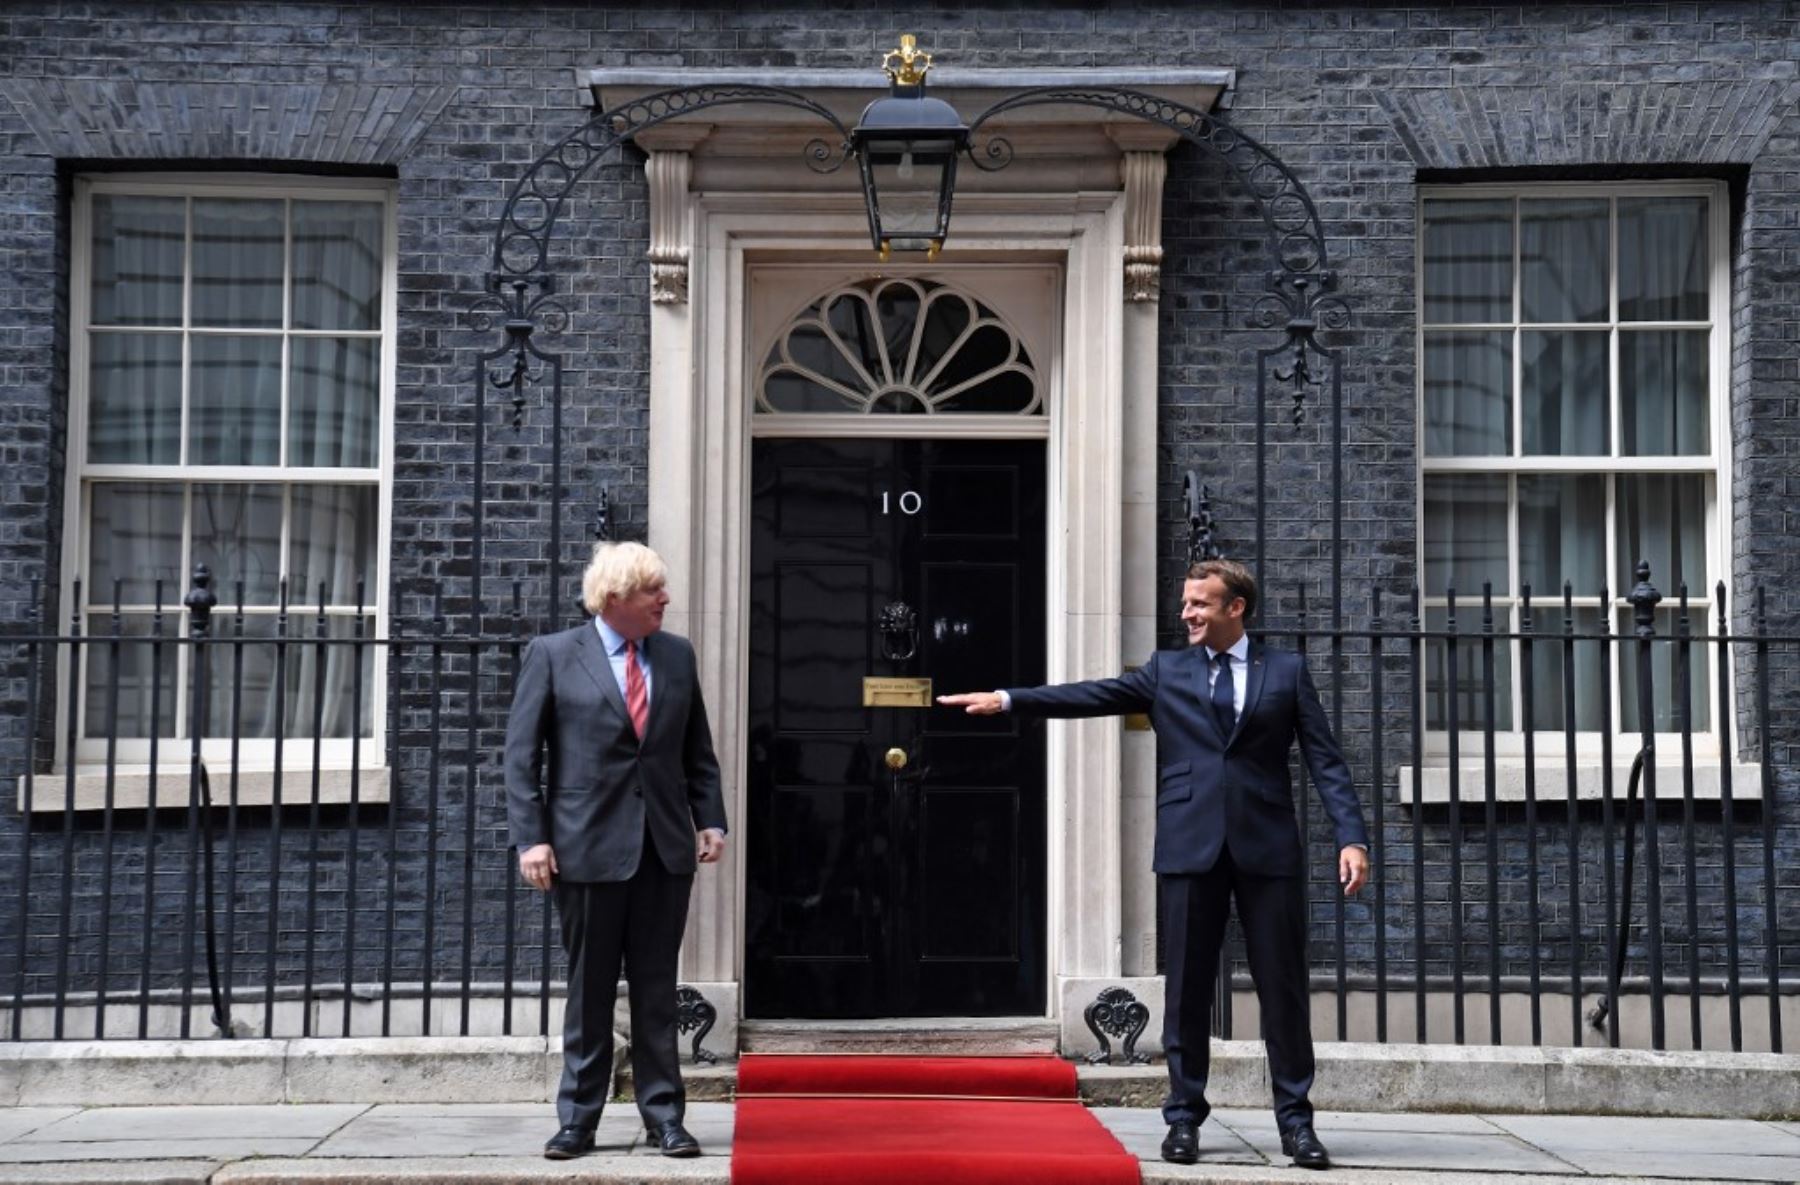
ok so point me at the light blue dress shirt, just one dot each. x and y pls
(614, 642)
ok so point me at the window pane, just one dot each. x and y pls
(1663, 392)
(137, 260)
(322, 679)
(1465, 535)
(1662, 259)
(234, 412)
(1468, 394)
(145, 674)
(1549, 656)
(1562, 260)
(1562, 380)
(332, 541)
(244, 686)
(1662, 519)
(238, 258)
(333, 402)
(134, 399)
(134, 535)
(1562, 534)
(1665, 659)
(237, 534)
(337, 265)
(1471, 685)
(1468, 261)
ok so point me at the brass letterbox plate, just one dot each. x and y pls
(1135, 721)
(896, 693)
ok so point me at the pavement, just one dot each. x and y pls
(479, 1143)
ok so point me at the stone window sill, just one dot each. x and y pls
(1552, 781)
(255, 787)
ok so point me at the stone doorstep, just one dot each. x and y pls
(1351, 1077)
(944, 1036)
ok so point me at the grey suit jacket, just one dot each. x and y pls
(605, 789)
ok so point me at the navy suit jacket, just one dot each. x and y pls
(607, 788)
(1214, 790)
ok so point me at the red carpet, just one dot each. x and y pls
(879, 1120)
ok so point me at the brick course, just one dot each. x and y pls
(454, 101)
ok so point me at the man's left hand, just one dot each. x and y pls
(1353, 868)
(711, 845)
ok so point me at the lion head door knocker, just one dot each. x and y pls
(899, 626)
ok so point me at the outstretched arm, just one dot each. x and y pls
(1130, 692)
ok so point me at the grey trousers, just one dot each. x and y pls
(639, 921)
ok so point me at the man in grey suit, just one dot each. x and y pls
(631, 805)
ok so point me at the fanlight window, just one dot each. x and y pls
(898, 347)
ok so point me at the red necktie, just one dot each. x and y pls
(637, 699)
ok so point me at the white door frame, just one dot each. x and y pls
(699, 491)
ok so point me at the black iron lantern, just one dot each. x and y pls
(906, 146)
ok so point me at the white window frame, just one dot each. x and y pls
(1547, 603)
(132, 755)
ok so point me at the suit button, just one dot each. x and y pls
(638, 790)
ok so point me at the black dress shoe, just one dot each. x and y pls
(673, 1139)
(1302, 1143)
(569, 1142)
(1182, 1144)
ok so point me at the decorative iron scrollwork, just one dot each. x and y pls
(1117, 1012)
(693, 1012)
(1203, 540)
(899, 626)
(603, 528)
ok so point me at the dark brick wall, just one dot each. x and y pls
(456, 100)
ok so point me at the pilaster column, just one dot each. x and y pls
(1143, 167)
(667, 172)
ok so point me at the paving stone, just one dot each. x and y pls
(445, 1135)
(1569, 1135)
(163, 1124)
(1382, 1121)
(20, 1152)
(1142, 1132)
(1688, 1166)
(162, 1172)
(542, 1111)
(17, 1121)
(713, 1124)
(1442, 1151)
(589, 1170)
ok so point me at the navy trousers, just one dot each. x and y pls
(1272, 912)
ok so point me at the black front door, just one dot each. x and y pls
(877, 891)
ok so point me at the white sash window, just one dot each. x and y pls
(231, 394)
(1573, 360)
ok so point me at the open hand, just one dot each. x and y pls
(975, 703)
(1353, 868)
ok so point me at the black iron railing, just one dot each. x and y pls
(326, 853)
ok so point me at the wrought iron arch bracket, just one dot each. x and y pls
(1300, 283)
(528, 221)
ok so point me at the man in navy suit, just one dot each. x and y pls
(1227, 711)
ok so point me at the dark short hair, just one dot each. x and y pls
(1237, 579)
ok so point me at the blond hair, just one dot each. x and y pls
(618, 570)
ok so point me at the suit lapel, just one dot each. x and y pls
(652, 651)
(594, 660)
(1253, 691)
